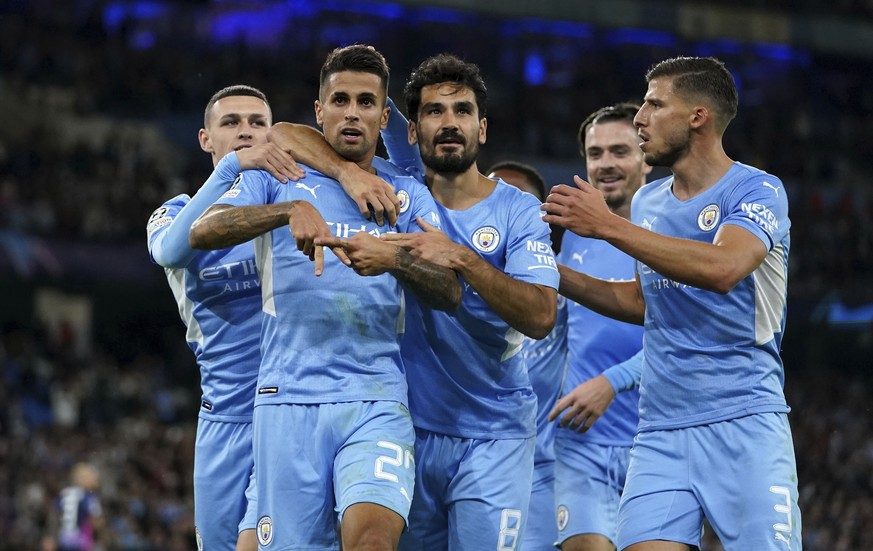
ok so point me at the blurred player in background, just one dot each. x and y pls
(712, 244)
(78, 518)
(605, 354)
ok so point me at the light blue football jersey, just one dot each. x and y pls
(712, 357)
(333, 338)
(466, 375)
(597, 342)
(218, 295)
(546, 361)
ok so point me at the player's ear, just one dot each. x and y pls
(319, 115)
(483, 127)
(386, 112)
(413, 135)
(205, 143)
(699, 116)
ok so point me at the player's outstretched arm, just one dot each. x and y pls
(396, 139)
(224, 226)
(171, 248)
(532, 309)
(434, 286)
(718, 266)
(370, 192)
(621, 300)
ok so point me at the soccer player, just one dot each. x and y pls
(79, 515)
(219, 299)
(218, 293)
(470, 396)
(546, 361)
(592, 458)
(332, 434)
(711, 243)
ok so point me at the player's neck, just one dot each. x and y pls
(460, 191)
(623, 210)
(699, 170)
(367, 163)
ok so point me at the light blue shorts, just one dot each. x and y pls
(469, 494)
(589, 479)
(314, 461)
(541, 532)
(740, 474)
(223, 462)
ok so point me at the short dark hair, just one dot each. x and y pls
(444, 68)
(624, 111)
(532, 175)
(233, 90)
(701, 77)
(356, 57)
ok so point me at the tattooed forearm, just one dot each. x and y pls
(434, 286)
(223, 226)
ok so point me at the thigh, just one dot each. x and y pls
(746, 477)
(371, 526)
(250, 519)
(295, 446)
(488, 498)
(223, 461)
(589, 480)
(375, 463)
(541, 532)
(658, 501)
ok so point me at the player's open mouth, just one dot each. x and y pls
(242, 146)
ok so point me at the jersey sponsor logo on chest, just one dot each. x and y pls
(231, 270)
(345, 230)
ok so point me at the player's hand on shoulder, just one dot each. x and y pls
(374, 196)
(273, 159)
(580, 209)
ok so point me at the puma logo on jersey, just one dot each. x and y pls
(769, 185)
(580, 257)
(301, 185)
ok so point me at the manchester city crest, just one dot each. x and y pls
(563, 517)
(708, 218)
(403, 197)
(486, 238)
(265, 530)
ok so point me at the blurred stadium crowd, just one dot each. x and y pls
(100, 114)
